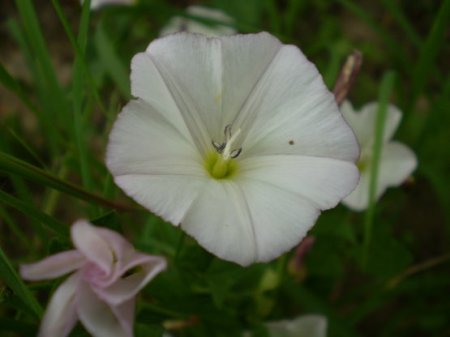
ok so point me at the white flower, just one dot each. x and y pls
(235, 138)
(219, 26)
(302, 326)
(397, 161)
(95, 4)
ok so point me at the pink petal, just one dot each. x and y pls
(127, 287)
(103, 320)
(88, 240)
(52, 266)
(60, 316)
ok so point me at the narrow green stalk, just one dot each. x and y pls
(44, 72)
(386, 89)
(13, 280)
(10, 164)
(80, 46)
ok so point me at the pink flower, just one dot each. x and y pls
(108, 273)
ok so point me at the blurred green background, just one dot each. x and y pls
(64, 76)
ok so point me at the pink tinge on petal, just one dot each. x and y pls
(101, 319)
(126, 287)
(60, 316)
(53, 266)
(124, 313)
(88, 240)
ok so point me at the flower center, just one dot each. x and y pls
(220, 163)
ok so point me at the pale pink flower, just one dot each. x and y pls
(108, 273)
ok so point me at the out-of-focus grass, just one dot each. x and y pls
(54, 131)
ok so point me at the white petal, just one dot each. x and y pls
(397, 164)
(60, 316)
(53, 266)
(147, 84)
(240, 222)
(88, 241)
(245, 59)
(153, 162)
(143, 143)
(358, 200)
(191, 66)
(308, 326)
(363, 122)
(219, 220)
(102, 320)
(323, 181)
(290, 111)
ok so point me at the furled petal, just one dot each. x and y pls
(147, 267)
(60, 316)
(302, 326)
(290, 111)
(101, 319)
(53, 266)
(363, 122)
(153, 162)
(87, 240)
(322, 181)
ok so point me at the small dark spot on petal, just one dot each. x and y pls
(291, 142)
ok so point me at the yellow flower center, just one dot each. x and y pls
(220, 168)
(220, 164)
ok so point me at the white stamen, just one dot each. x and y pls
(229, 142)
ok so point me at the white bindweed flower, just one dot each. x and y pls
(219, 25)
(236, 139)
(397, 161)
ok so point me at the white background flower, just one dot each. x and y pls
(219, 26)
(297, 151)
(302, 326)
(397, 161)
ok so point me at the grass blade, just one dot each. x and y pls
(434, 41)
(387, 86)
(113, 65)
(12, 279)
(12, 165)
(32, 212)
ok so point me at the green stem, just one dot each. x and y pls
(387, 85)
